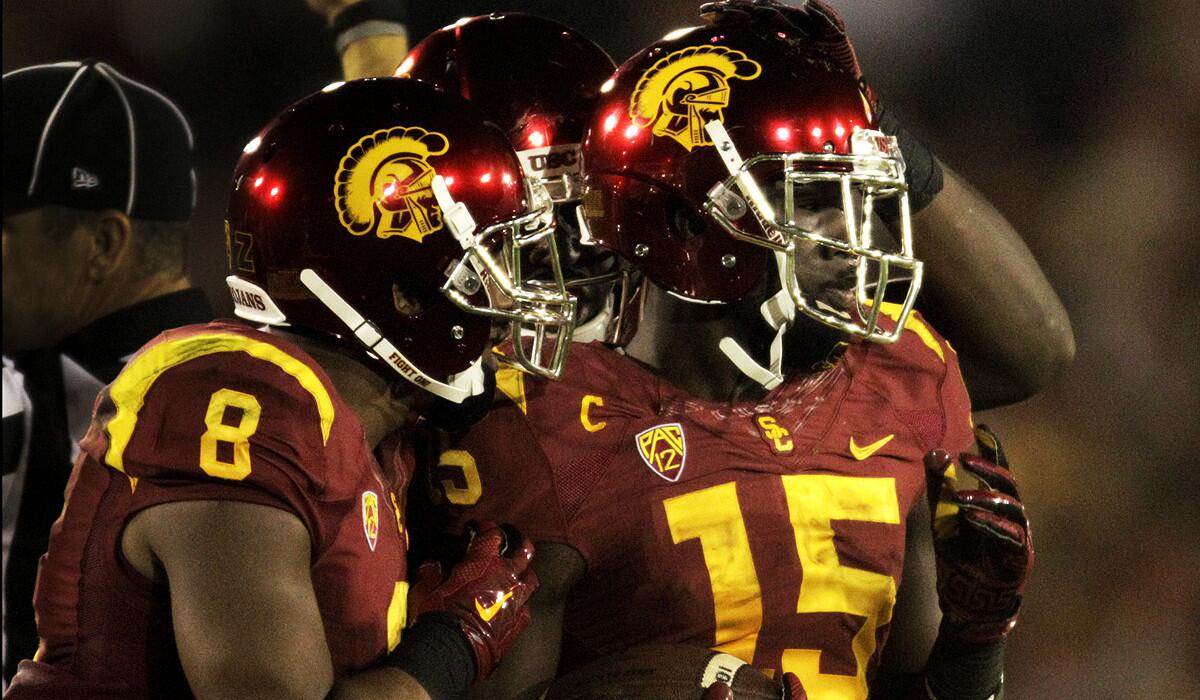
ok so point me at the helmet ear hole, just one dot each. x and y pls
(683, 219)
(406, 304)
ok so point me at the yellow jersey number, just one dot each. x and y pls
(714, 517)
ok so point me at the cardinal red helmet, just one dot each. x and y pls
(699, 152)
(375, 212)
(534, 77)
(539, 81)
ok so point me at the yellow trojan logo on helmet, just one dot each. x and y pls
(384, 184)
(686, 89)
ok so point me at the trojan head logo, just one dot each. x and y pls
(370, 513)
(686, 89)
(384, 184)
(663, 450)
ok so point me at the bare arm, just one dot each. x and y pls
(372, 56)
(244, 611)
(533, 660)
(985, 291)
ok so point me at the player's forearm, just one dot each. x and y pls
(955, 672)
(369, 35)
(985, 291)
(960, 670)
(374, 56)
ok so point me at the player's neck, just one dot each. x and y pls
(367, 393)
(678, 340)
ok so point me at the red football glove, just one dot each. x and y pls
(487, 591)
(981, 539)
(814, 19)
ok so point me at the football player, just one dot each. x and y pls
(234, 525)
(749, 472)
(983, 284)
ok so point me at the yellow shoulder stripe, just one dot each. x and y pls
(511, 381)
(914, 324)
(129, 390)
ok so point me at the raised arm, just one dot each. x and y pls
(986, 293)
(369, 35)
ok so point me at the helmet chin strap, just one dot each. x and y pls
(779, 311)
(467, 383)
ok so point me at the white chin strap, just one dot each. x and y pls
(459, 387)
(779, 311)
(597, 327)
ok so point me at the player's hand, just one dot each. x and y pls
(330, 8)
(487, 591)
(814, 19)
(981, 539)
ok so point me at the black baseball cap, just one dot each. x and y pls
(80, 134)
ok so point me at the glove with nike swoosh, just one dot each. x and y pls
(486, 591)
(981, 539)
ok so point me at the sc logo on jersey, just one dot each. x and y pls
(663, 450)
(775, 435)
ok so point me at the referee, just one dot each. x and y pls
(98, 192)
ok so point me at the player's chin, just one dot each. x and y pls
(837, 299)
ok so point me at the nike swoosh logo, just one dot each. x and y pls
(487, 613)
(861, 453)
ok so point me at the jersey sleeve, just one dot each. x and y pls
(922, 380)
(222, 418)
(956, 406)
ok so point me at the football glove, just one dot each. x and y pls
(486, 591)
(981, 540)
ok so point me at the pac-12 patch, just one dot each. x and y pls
(370, 515)
(663, 449)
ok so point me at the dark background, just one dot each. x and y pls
(1077, 121)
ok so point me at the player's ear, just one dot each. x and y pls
(110, 243)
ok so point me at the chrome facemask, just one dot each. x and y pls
(873, 172)
(541, 313)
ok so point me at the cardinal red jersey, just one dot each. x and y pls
(215, 412)
(774, 530)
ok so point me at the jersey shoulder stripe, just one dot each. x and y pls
(128, 391)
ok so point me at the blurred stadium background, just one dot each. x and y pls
(1075, 118)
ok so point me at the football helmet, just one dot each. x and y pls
(539, 81)
(704, 150)
(384, 214)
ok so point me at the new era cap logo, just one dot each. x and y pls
(83, 180)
